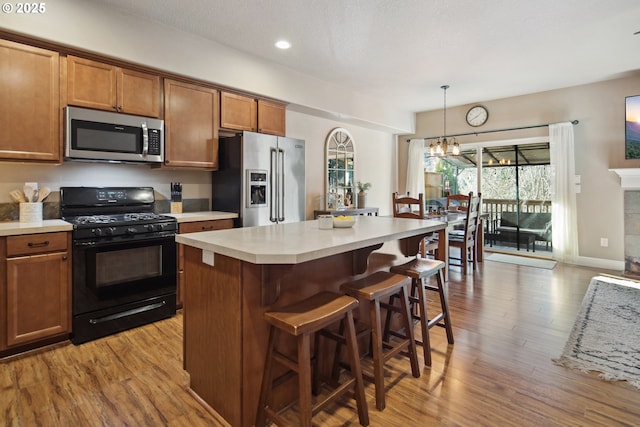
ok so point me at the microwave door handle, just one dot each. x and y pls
(273, 167)
(281, 186)
(145, 139)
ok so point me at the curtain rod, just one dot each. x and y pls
(573, 122)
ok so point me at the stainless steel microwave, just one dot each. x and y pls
(95, 135)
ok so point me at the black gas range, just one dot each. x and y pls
(124, 259)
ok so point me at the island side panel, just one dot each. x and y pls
(212, 332)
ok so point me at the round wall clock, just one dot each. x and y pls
(477, 116)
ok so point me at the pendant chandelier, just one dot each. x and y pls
(440, 147)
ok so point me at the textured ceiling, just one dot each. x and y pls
(404, 50)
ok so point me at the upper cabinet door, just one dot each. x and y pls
(91, 84)
(238, 112)
(271, 117)
(30, 111)
(102, 86)
(138, 93)
(191, 125)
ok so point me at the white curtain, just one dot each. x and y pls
(563, 196)
(415, 167)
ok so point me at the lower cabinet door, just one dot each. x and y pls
(38, 297)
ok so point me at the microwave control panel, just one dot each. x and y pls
(154, 142)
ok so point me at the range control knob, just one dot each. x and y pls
(159, 227)
(131, 230)
(97, 231)
(109, 231)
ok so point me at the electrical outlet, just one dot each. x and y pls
(604, 242)
(207, 258)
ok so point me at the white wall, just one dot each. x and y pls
(374, 161)
(599, 145)
(92, 26)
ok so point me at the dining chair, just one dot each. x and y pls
(421, 271)
(411, 207)
(467, 240)
(460, 201)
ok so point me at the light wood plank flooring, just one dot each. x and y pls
(509, 321)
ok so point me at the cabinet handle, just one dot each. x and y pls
(210, 227)
(64, 257)
(37, 245)
(115, 107)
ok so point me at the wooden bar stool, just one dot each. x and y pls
(419, 270)
(374, 288)
(303, 320)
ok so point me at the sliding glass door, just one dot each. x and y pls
(516, 197)
(515, 184)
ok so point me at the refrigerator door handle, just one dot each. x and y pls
(281, 189)
(273, 185)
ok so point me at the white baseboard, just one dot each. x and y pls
(609, 264)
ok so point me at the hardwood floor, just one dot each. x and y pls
(509, 322)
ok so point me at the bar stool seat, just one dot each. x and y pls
(374, 288)
(419, 270)
(303, 320)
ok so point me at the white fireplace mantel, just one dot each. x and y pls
(629, 178)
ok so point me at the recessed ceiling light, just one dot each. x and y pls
(283, 44)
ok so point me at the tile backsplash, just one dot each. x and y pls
(51, 209)
(196, 184)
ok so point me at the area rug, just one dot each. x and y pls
(522, 260)
(606, 335)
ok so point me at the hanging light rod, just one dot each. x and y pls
(441, 146)
(573, 122)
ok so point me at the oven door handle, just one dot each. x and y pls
(128, 313)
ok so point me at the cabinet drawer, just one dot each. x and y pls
(194, 227)
(36, 243)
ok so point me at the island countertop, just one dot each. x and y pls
(299, 242)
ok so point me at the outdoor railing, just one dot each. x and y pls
(493, 208)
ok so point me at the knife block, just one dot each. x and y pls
(176, 207)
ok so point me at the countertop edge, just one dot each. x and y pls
(46, 226)
(195, 240)
(202, 216)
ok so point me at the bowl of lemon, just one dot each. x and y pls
(343, 221)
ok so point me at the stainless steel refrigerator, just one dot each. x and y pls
(260, 177)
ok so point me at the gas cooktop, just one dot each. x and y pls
(135, 217)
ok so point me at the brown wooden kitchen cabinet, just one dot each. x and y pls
(103, 86)
(30, 107)
(191, 121)
(36, 295)
(238, 112)
(244, 113)
(195, 227)
(271, 117)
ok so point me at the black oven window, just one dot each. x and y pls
(126, 265)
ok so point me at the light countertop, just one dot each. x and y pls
(202, 216)
(299, 242)
(16, 228)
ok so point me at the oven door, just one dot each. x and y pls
(113, 274)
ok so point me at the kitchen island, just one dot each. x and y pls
(233, 276)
